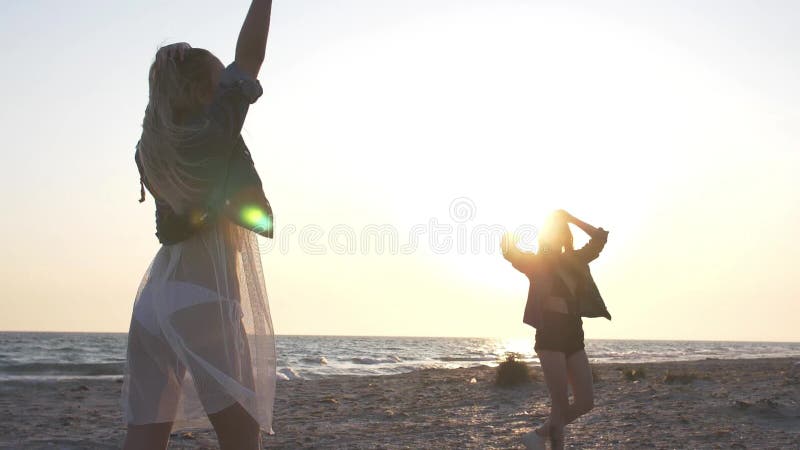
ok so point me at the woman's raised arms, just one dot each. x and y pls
(252, 44)
(522, 261)
(597, 241)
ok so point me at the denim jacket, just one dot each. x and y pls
(573, 268)
(234, 179)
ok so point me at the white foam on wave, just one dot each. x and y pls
(321, 360)
(391, 359)
(288, 374)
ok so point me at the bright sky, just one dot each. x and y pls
(676, 125)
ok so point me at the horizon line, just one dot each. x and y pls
(436, 337)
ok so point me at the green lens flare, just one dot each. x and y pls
(256, 219)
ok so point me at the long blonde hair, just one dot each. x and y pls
(175, 88)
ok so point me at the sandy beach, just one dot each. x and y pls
(720, 404)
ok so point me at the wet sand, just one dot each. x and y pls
(721, 404)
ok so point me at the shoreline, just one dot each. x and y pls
(738, 403)
(302, 376)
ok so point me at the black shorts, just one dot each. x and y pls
(560, 332)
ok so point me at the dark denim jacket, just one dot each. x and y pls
(235, 179)
(541, 270)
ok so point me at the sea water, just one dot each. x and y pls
(36, 356)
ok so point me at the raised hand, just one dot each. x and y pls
(508, 242)
(172, 51)
(252, 43)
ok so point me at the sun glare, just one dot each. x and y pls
(521, 346)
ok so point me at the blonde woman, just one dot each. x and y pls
(201, 345)
(561, 292)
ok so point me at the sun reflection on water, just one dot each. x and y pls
(520, 346)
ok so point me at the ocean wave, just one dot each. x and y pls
(288, 374)
(467, 359)
(315, 360)
(90, 369)
(370, 361)
(37, 356)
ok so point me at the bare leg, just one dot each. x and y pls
(154, 436)
(554, 367)
(236, 429)
(580, 378)
(209, 333)
(579, 374)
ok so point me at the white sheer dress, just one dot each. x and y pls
(201, 337)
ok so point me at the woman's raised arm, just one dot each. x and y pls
(585, 227)
(252, 44)
(597, 241)
(522, 261)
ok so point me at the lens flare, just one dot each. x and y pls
(255, 218)
(197, 217)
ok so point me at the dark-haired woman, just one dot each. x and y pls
(561, 292)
